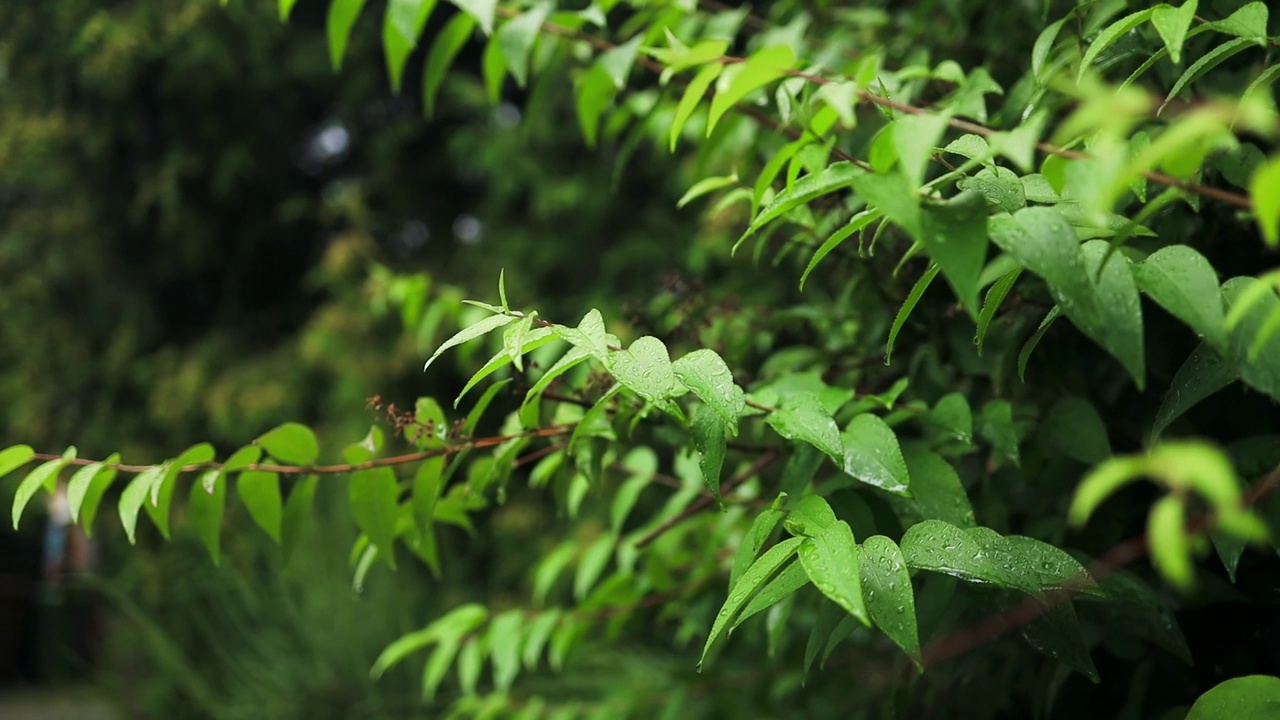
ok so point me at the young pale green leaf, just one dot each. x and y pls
(401, 26)
(1024, 355)
(1250, 22)
(285, 7)
(811, 515)
(516, 40)
(872, 455)
(802, 417)
(682, 58)
(14, 457)
(437, 666)
(858, 222)
(1264, 191)
(628, 493)
(162, 489)
(291, 442)
(342, 17)
(936, 490)
(134, 495)
(1110, 35)
(785, 584)
(886, 588)
(482, 10)
(909, 304)
(504, 647)
(537, 632)
(1252, 697)
(1209, 61)
(592, 564)
(1259, 365)
(43, 476)
(914, 139)
(85, 489)
(693, 95)
(830, 559)
(707, 376)
(260, 493)
(1102, 482)
(446, 47)
(402, 647)
(645, 369)
(995, 296)
(761, 68)
(1074, 428)
(471, 332)
(297, 514)
(548, 571)
(617, 61)
(205, 507)
(760, 530)
(705, 186)
(518, 340)
(747, 585)
(1044, 45)
(893, 195)
(1170, 547)
(1183, 282)
(595, 92)
(954, 233)
(1172, 25)
(566, 362)
(493, 67)
(1201, 375)
(834, 177)
(708, 430)
(374, 496)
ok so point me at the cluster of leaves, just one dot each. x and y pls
(906, 508)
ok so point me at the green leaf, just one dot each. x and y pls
(995, 423)
(886, 586)
(297, 513)
(980, 555)
(548, 570)
(504, 648)
(936, 490)
(1043, 45)
(1249, 22)
(783, 585)
(482, 10)
(591, 565)
(1117, 324)
(1253, 697)
(493, 66)
(683, 58)
(1170, 547)
(909, 304)
(471, 332)
(617, 61)
(643, 464)
(1024, 355)
(704, 186)
(830, 559)
(872, 455)
(537, 632)
(858, 222)
(693, 95)
(1074, 428)
(645, 369)
(291, 443)
(914, 140)
(1201, 375)
(1209, 61)
(893, 195)
(1183, 282)
(1001, 188)
(1103, 481)
(761, 68)
(751, 543)
(206, 505)
(516, 40)
(162, 489)
(518, 340)
(954, 233)
(953, 416)
(707, 376)
(401, 26)
(43, 476)
(747, 585)
(566, 362)
(136, 493)
(342, 17)
(834, 177)
(374, 495)
(1264, 191)
(995, 296)
(1172, 24)
(446, 47)
(1110, 35)
(1259, 367)
(708, 430)
(86, 487)
(260, 493)
(14, 457)
(285, 7)
(595, 92)
(802, 417)
(811, 515)
(1056, 633)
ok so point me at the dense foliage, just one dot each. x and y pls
(968, 365)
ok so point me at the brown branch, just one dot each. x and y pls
(705, 501)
